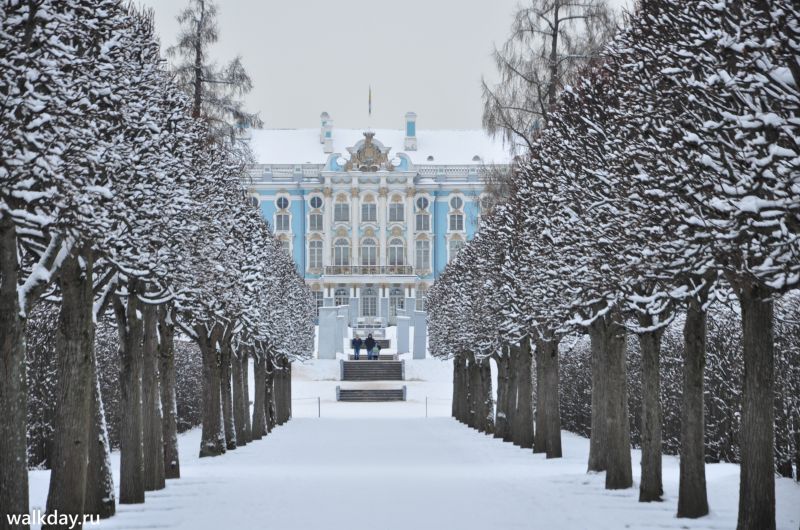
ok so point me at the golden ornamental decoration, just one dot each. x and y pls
(369, 158)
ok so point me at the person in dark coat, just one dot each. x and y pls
(369, 344)
(356, 344)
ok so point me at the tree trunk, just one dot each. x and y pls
(501, 417)
(523, 419)
(259, 416)
(486, 398)
(248, 431)
(238, 397)
(650, 486)
(598, 437)
(757, 484)
(548, 411)
(692, 497)
(269, 394)
(151, 404)
(13, 383)
(289, 388)
(459, 396)
(539, 391)
(131, 442)
(511, 396)
(619, 474)
(74, 386)
(100, 498)
(213, 438)
(169, 413)
(226, 352)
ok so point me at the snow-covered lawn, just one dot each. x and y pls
(384, 466)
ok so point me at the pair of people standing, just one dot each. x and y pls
(372, 347)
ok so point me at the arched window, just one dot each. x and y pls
(423, 255)
(422, 218)
(396, 252)
(456, 214)
(369, 252)
(315, 254)
(341, 253)
(341, 296)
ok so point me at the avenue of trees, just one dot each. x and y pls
(120, 205)
(663, 183)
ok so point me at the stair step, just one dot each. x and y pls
(375, 394)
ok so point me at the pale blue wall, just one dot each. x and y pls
(471, 214)
(298, 210)
(440, 210)
(411, 128)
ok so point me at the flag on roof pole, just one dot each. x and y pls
(370, 101)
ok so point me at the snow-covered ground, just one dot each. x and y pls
(386, 466)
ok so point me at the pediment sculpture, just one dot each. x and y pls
(369, 156)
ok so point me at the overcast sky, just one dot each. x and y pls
(307, 56)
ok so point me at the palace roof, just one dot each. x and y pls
(434, 147)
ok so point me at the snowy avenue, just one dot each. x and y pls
(581, 313)
(404, 473)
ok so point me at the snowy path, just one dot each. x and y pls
(386, 474)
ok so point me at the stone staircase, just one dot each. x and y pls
(375, 370)
(380, 370)
(370, 394)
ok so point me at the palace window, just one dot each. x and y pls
(369, 302)
(316, 202)
(396, 212)
(286, 246)
(341, 212)
(456, 222)
(315, 254)
(341, 296)
(423, 254)
(282, 203)
(315, 222)
(369, 212)
(454, 246)
(318, 299)
(422, 203)
(396, 252)
(456, 203)
(341, 253)
(423, 223)
(422, 292)
(282, 222)
(369, 252)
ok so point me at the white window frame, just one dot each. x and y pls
(340, 257)
(396, 253)
(394, 209)
(423, 222)
(422, 254)
(338, 208)
(373, 253)
(456, 219)
(373, 209)
(317, 226)
(279, 226)
(315, 249)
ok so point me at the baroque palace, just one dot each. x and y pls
(372, 217)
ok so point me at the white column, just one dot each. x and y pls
(355, 223)
(382, 197)
(409, 217)
(327, 230)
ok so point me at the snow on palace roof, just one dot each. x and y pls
(446, 147)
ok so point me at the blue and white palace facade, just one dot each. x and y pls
(372, 217)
